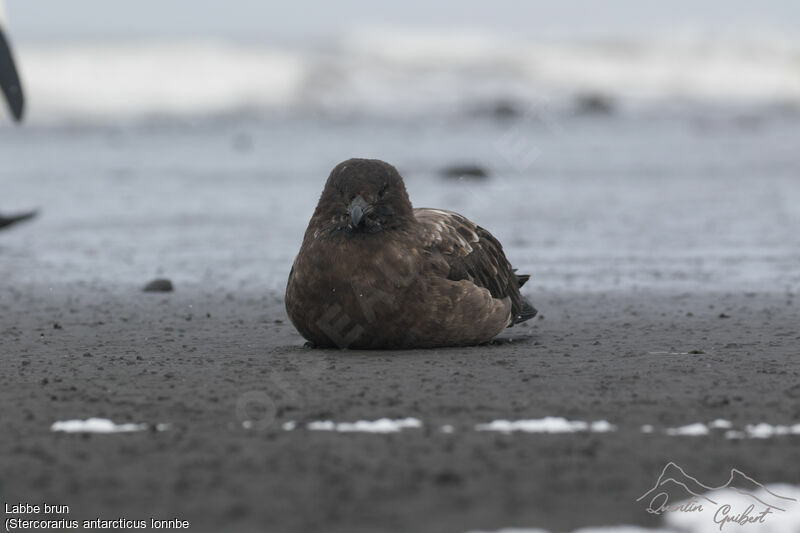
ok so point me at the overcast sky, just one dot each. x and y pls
(305, 19)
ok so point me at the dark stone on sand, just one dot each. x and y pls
(468, 170)
(159, 285)
(448, 477)
(501, 109)
(593, 104)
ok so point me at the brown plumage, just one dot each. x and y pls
(373, 272)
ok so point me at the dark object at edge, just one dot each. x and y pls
(9, 79)
(13, 219)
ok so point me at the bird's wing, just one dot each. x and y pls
(471, 252)
(9, 79)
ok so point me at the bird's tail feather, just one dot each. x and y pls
(526, 313)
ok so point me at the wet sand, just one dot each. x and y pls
(209, 362)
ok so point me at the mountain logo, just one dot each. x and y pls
(677, 491)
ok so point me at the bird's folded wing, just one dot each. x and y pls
(471, 252)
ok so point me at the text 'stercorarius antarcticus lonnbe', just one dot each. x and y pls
(373, 272)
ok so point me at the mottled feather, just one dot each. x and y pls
(474, 254)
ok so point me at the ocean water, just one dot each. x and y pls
(669, 162)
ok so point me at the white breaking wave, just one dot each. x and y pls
(128, 80)
(395, 73)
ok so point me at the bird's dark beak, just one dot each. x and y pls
(358, 208)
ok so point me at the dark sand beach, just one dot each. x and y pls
(208, 362)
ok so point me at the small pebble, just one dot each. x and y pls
(159, 285)
(465, 171)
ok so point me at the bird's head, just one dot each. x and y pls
(364, 196)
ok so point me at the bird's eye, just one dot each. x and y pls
(383, 190)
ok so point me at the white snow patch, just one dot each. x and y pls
(691, 430)
(382, 425)
(322, 425)
(513, 530)
(765, 431)
(97, 425)
(785, 518)
(753, 431)
(597, 529)
(787, 521)
(548, 424)
(601, 426)
(720, 423)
